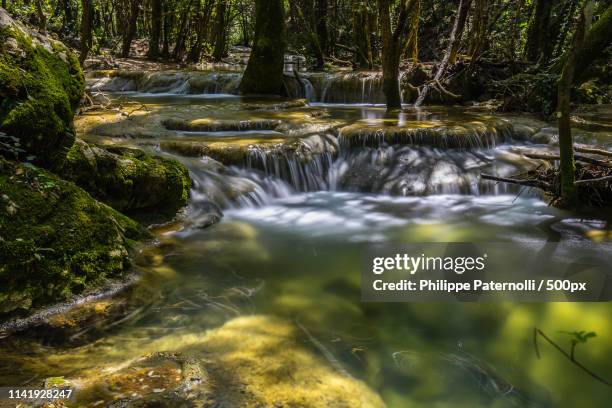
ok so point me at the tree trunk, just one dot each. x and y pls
(479, 28)
(42, 19)
(168, 23)
(195, 53)
(566, 144)
(362, 35)
(390, 58)
(179, 47)
(536, 46)
(86, 26)
(264, 72)
(130, 31)
(458, 28)
(156, 28)
(321, 24)
(219, 50)
(597, 39)
(456, 33)
(393, 42)
(412, 45)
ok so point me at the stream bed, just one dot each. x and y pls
(286, 200)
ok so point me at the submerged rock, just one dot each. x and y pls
(128, 179)
(251, 361)
(41, 84)
(55, 240)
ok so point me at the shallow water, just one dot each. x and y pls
(291, 244)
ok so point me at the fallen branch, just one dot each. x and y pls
(591, 150)
(527, 182)
(593, 181)
(577, 157)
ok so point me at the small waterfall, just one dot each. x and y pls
(184, 83)
(341, 87)
(423, 170)
(346, 87)
(305, 168)
(367, 161)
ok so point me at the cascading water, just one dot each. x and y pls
(341, 87)
(331, 163)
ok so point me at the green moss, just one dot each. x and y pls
(55, 240)
(128, 179)
(41, 86)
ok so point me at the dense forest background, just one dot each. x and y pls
(326, 32)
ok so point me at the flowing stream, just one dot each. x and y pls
(301, 192)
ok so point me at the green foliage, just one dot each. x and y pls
(580, 337)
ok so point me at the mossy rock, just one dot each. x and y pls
(41, 84)
(129, 180)
(55, 239)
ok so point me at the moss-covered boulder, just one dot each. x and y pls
(129, 180)
(41, 84)
(55, 240)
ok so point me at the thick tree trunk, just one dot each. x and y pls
(219, 50)
(86, 27)
(393, 42)
(156, 28)
(264, 72)
(130, 31)
(566, 144)
(321, 25)
(390, 58)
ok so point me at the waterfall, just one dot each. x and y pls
(328, 162)
(341, 87)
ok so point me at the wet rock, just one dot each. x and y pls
(127, 179)
(523, 132)
(58, 241)
(545, 136)
(207, 220)
(41, 84)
